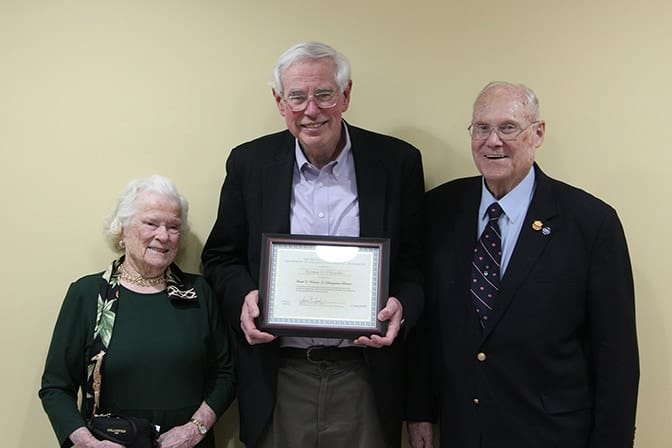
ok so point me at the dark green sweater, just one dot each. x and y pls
(164, 359)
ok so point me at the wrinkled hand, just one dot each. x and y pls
(99, 444)
(392, 313)
(184, 436)
(249, 312)
(420, 434)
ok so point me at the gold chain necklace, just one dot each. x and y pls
(139, 279)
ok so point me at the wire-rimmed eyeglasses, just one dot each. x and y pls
(324, 99)
(506, 131)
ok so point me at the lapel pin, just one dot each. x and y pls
(537, 225)
(546, 230)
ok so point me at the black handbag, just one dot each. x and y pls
(132, 432)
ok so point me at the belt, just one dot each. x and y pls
(319, 353)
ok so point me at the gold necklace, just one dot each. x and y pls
(139, 279)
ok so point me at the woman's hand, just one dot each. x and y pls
(100, 444)
(188, 435)
(184, 436)
(82, 438)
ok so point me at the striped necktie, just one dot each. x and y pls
(486, 265)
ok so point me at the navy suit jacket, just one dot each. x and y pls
(255, 199)
(557, 365)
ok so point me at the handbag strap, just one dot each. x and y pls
(97, 379)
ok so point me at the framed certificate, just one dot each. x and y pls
(318, 286)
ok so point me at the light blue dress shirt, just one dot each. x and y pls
(514, 205)
(324, 202)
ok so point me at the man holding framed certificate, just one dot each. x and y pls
(315, 255)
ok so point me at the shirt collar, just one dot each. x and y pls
(337, 166)
(514, 203)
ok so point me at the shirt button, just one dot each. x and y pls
(321, 215)
(476, 401)
(481, 357)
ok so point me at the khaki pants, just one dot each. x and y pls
(323, 405)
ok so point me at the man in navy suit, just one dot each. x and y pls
(321, 176)
(555, 363)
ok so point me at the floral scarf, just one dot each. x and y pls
(179, 289)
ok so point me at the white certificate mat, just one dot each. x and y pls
(331, 284)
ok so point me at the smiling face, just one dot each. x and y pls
(504, 164)
(318, 130)
(152, 236)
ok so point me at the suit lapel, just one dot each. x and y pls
(371, 186)
(466, 229)
(276, 191)
(529, 247)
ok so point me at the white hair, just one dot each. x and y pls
(528, 97)
(127, 208)
(310, 51)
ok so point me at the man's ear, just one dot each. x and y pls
(278, 102)
(540, 132)
(346, 96)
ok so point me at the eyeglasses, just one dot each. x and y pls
(324, 99)
(506, 131)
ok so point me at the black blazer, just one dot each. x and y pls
(558, 364)
(255, 199)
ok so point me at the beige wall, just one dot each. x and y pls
(93, 93)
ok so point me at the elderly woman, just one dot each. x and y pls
(164, 345)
